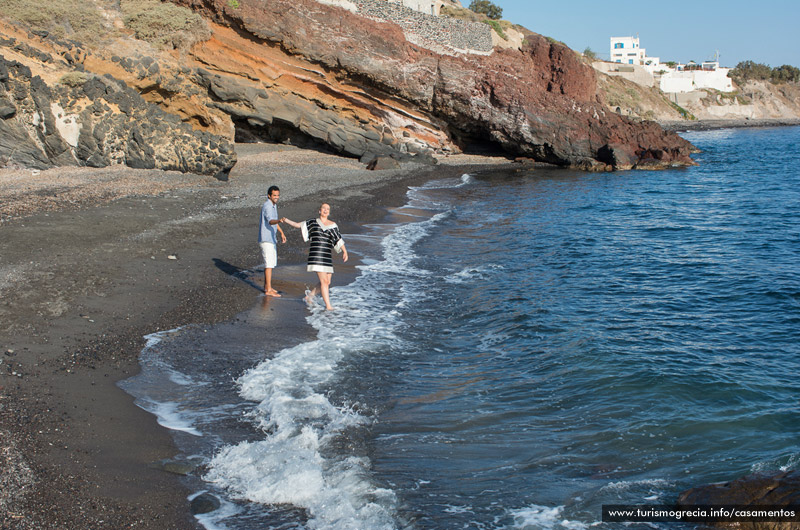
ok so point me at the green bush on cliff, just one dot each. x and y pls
(752, 71)
(497, 28)
(487, 8)
(468, 15)
(785, 73)
(164, 24)
(79, 20)
(683, 112)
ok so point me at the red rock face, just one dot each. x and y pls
(540, 102)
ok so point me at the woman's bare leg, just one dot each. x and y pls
(324, 286)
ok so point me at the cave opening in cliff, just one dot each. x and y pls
(477, 144)
(249, 132)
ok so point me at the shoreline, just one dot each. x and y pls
(707, 125)
(83, 280)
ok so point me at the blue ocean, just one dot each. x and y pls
(518, 349)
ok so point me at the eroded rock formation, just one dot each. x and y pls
(96, 121)
(308, 73)
(375, 89)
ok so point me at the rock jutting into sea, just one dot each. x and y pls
(779, 489)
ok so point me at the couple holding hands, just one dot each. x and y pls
(322, 233)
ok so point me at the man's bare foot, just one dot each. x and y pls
(272, 292)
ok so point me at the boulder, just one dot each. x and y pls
(618, 156)
(383, 162)
(778, 489)
(204, 503)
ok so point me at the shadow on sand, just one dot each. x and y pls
(245, 275)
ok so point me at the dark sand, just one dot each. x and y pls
(93, 260)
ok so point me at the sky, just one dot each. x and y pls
(763, 31)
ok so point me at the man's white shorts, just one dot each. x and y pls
(270, 254)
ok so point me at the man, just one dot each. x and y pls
(267, 237)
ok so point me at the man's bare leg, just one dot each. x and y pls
(268, 290)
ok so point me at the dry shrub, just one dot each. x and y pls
(74, 79)
(79, 20)
(163, 24)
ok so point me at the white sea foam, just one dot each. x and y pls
(153, 339)
(448, 183)
(213, 520)
(649, 484)
(783, 464)
(470, 273)
(169, 415)
(421, 198)
(180, 378)
(536, 517)
(295, 463)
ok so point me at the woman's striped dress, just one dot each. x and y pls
(323, 240)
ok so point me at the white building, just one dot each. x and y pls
(678, 79)
(626, 50)
(689, 80)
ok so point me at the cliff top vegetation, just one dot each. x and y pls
(90, 22)
(752, 71)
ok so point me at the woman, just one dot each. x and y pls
(325, 237)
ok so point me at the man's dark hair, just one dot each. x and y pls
(271, 189)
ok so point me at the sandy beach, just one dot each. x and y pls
(91, 260)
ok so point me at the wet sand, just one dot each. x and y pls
(91, 260)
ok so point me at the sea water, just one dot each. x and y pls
(519, 348)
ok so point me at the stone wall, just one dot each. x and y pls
(446, 31)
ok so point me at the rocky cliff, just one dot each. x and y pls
(313, 74)
(91, 120)
(760, 101)
(358, 85)
(755, 100)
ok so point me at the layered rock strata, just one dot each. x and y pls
(321, 76)
(96, 121)
(375, 89)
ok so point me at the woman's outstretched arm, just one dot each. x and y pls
(290, 222)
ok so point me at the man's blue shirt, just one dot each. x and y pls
(267, 233)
